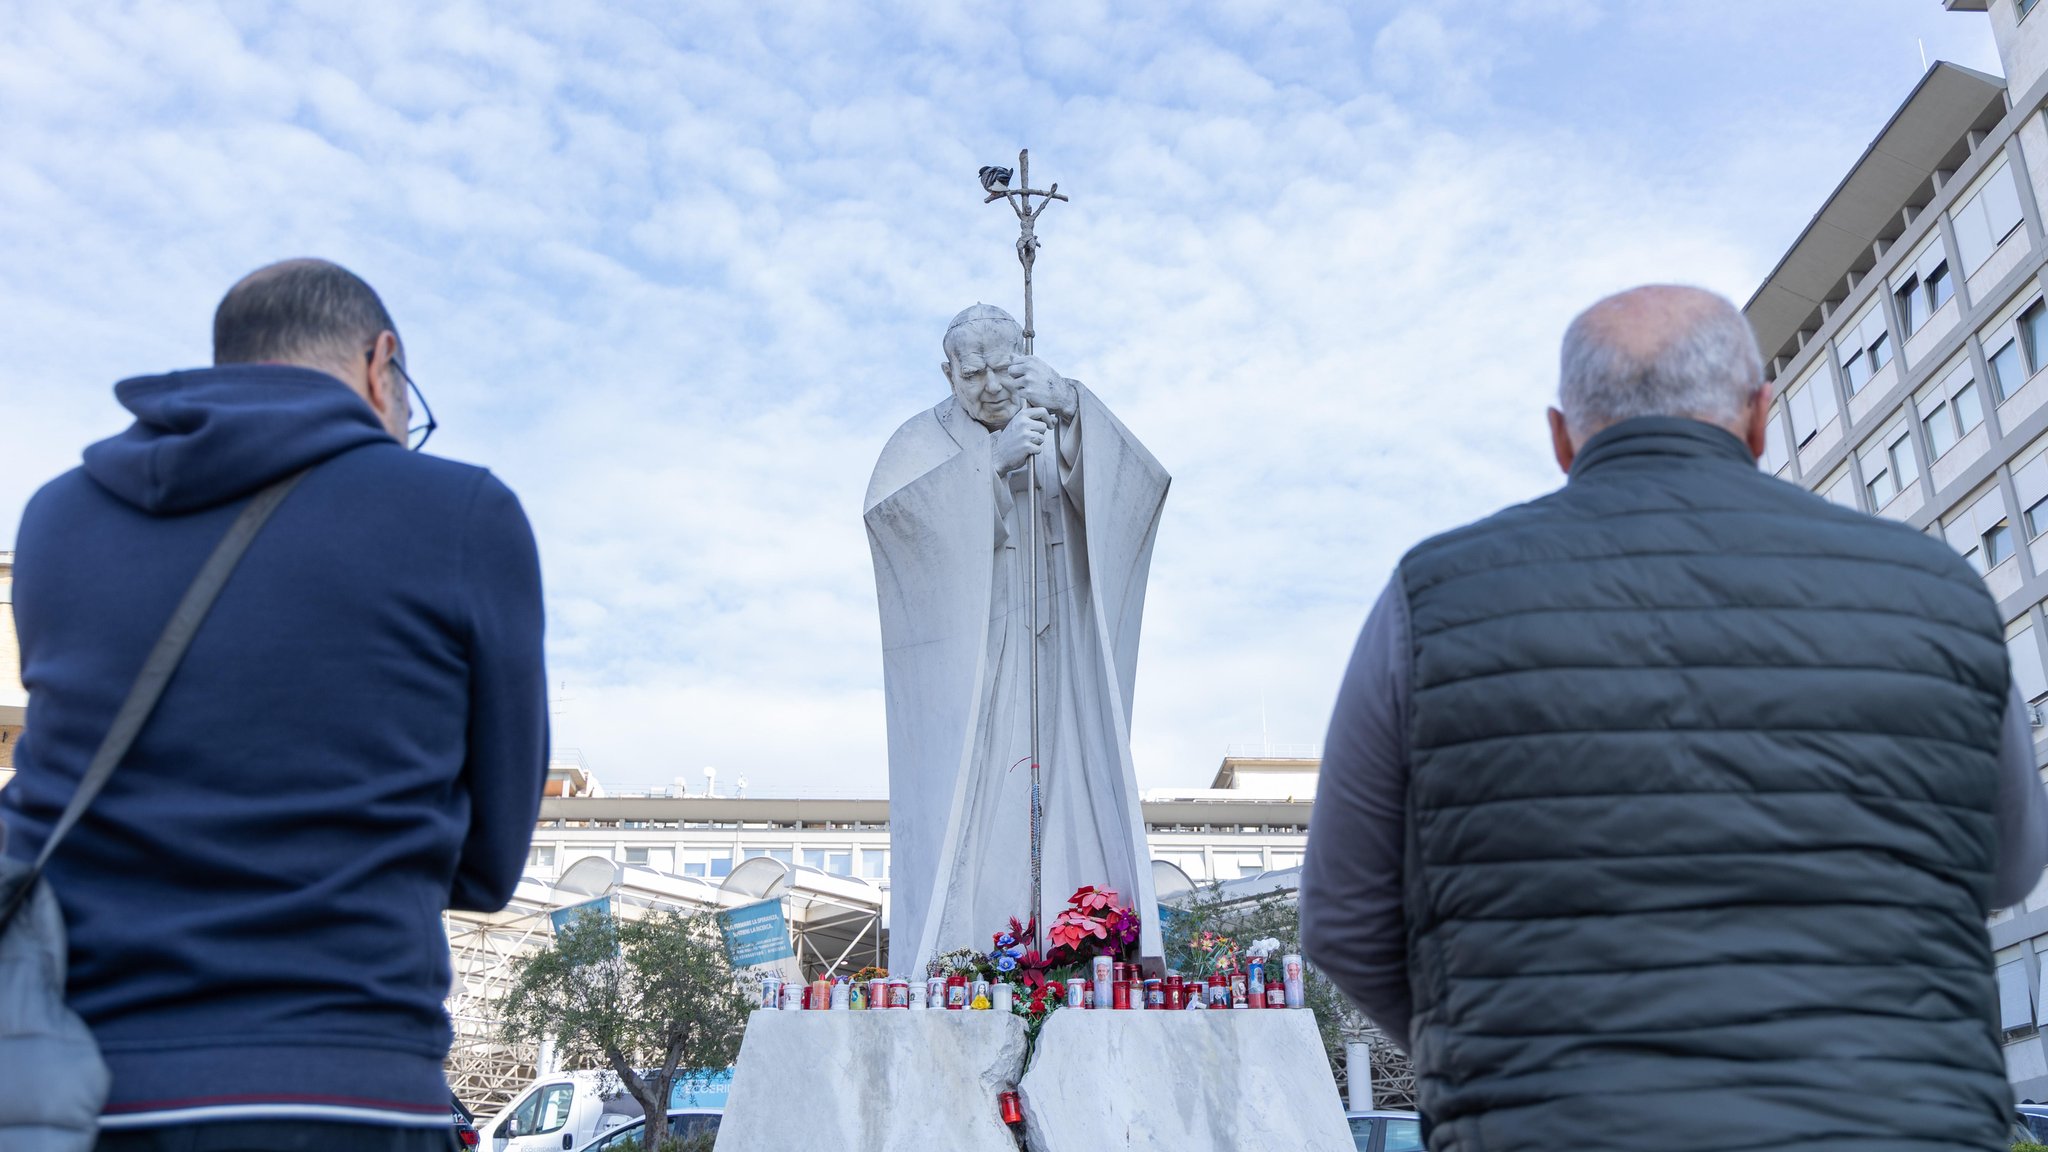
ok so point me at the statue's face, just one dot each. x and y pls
(980, 372)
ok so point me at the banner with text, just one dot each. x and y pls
(757, 935)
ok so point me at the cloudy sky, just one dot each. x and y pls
(675, 272)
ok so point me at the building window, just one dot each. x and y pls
(1812, 405)
(2028, 674)
(1233, 865)
(874, 863)
(2030, 484)
(2034, 335)
(542, 856)
(1984, 220)
(1911, 314)
(721, 865)
(1939, 287)
(1950, 410)
(636, 855)
(2015, 1006)
(2006, 373)
(1998, 544)
(1981, 532)
(1969, 409)
(1926, 287)
(1899, 453)
(1864, 349)
(2024, 6)
(1941, 429)
(814, 858)
(1775, 451)
(1888, 465)
(839, 863)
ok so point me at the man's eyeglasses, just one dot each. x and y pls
(416, 435)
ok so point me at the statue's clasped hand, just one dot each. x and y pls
(1041, 387)
(1022, 438)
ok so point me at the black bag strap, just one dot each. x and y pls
(156, 674)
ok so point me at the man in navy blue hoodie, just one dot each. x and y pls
(356, 740)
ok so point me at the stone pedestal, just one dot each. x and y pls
(875, 1081)
(1172, 1081)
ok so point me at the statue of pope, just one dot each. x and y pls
(946, 517)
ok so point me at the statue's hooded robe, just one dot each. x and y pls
(952, 567)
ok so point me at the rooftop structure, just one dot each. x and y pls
(1270, 772)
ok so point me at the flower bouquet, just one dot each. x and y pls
(1093, 924)
(1212, 952)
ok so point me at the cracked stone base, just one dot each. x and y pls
(879, 1081)
(1172, 1081)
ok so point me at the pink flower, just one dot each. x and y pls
(1093, 899)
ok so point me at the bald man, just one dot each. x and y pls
(1664, 811)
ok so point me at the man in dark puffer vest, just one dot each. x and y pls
(1661, 814)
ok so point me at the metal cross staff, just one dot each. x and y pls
(996, 182)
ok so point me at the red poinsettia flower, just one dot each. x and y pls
(1092, 899)
(1072, 928)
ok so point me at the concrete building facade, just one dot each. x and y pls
(1254, 819)
(1906, 335)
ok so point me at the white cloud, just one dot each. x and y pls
(677, 274)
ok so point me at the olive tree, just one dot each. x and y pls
(647, 999)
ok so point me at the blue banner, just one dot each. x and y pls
(1167, 915)
(706, 1089)
(756, 934)
(563, 917)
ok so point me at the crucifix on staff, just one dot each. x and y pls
(996, 181)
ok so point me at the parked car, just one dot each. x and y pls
(2033, 1121)
(1386, 1130)
(464, 1121)
(683, 1123)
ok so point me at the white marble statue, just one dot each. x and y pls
(947, 516)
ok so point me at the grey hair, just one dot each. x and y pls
(983, 320)
(1696, 357)
(298, 310)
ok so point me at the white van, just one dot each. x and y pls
(562, 1110)
(565, 1110)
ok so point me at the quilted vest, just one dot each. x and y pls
(1701, 818)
